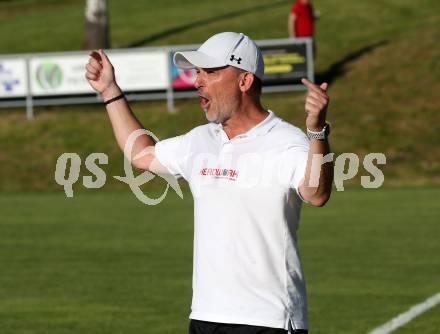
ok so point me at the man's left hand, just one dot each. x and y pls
(316, 105)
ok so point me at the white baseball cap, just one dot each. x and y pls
(223, 49)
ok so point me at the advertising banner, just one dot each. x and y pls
(59, 75)
(143, 71)
(64, 75)
(183, 79)
(284, 64)
(13, 80)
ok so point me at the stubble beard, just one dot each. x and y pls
(223, 113)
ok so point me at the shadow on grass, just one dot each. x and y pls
(338, 69)
(209, 20)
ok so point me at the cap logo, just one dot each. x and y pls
(238, 60)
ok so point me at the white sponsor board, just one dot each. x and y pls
(141, 71)
(13, 80)
(59, 75)
(64, 75)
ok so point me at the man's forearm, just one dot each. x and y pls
(124, 122)
(318, 177)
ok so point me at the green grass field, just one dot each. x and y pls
(102, 262)
(105, 263)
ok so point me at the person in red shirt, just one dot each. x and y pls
(301, 19)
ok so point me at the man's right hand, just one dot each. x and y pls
(101, 75)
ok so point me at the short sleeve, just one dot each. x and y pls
(172, 154)
(301, 155)
(295, 9)
(297, 154)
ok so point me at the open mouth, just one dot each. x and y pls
(204, 102)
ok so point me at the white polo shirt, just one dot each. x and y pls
(246, 212)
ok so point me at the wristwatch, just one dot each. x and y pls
(319, 135)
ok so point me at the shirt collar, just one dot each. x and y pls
(261, 128)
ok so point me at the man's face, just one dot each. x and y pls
(219, 92)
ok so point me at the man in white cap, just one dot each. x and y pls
(248, 171)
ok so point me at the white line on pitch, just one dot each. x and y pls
(407, 316)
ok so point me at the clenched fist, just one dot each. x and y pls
(101, 75)
(316, 105)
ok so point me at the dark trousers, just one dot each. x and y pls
(205, 327)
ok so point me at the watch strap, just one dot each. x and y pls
(319, 135)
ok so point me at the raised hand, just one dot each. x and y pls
(316, 105)
(100, 74)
